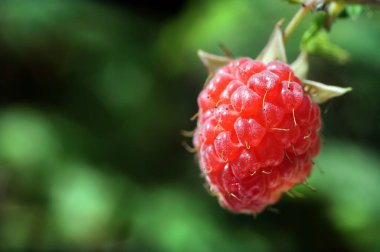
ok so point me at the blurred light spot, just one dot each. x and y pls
(83, 203)
(27, 139)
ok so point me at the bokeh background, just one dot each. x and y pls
(94, 94)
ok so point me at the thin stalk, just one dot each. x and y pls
(296, 20)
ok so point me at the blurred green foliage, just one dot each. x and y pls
(93, 98)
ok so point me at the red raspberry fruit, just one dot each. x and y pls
(257, 133)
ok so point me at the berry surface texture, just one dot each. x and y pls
(257, 133)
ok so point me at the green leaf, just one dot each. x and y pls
(314, 29)
(354, 11)
(320, 44)
(316, 41)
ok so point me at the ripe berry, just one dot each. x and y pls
(257, 133)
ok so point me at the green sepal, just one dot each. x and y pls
(321, 93)
(275, 48)
(212, 62)
(301, 65)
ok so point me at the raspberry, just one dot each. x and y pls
(256, 135)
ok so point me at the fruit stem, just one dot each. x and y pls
(296, 20)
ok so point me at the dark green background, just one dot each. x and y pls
(94, 94)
